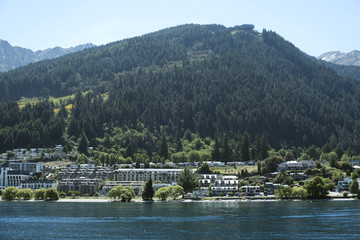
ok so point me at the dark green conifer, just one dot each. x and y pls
(148, 192)
(84, 144)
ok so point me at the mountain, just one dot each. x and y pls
(58, 51)
(351, 58)
(180, 82)
(13, 57)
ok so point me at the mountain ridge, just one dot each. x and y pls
(12, 57)
(351, 58)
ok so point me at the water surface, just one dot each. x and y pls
(181, 220)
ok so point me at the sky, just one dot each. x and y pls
(314, 26)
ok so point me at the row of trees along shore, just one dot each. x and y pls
(11, 193)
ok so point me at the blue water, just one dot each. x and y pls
(181, 220)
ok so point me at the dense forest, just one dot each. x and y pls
(194, 87)
(344, 70)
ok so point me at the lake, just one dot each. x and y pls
(181, 220)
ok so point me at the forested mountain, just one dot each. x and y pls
(345, 64)
(346, 71)
(13, 57)
(181, 81)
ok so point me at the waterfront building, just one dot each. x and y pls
(11, 178)
(250, 190)
(225, 185)
(37, 184)
(82, 185)
(208, 179)
(270, 187)
(85, 171)
(144, 174)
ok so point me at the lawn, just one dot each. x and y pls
(232, 170)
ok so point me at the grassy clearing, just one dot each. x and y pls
(57, 163)
(232, 170)
(58, 102)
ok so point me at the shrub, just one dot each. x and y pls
(39, 194)
(62, 194)
(163, 193)
(299, 193)
(318, 187)
(125, 194)
(25, 194)
(9, 193)
(51, 194)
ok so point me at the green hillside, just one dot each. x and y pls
(182, 84)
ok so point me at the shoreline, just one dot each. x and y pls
(104, 200)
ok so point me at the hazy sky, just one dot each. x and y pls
(314, 26)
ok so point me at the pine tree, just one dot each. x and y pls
(83, 145)
(148, 192)
(204, 169)
(354, 187)
(129, 151)
(259, 167)
(226, 152)
(261, 147)
(188, 180)
(265, 146)
(216, 151)
(339, 151)
(245, 147)
(164, 151)
(179, 146)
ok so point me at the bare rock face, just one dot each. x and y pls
(351, 58)
(13, 57)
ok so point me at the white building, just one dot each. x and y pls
(271, 187)
(59, 148)
(208, 179)
(294, 165)
(37, 184)
(82, 185)
(85, 171)
(225, 185)
(144, 174)
(250, 190)
(11, 178)
(26, 166)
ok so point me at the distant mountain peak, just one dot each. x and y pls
(12, 57)
(337, 57)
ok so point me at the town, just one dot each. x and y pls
(230, 179)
